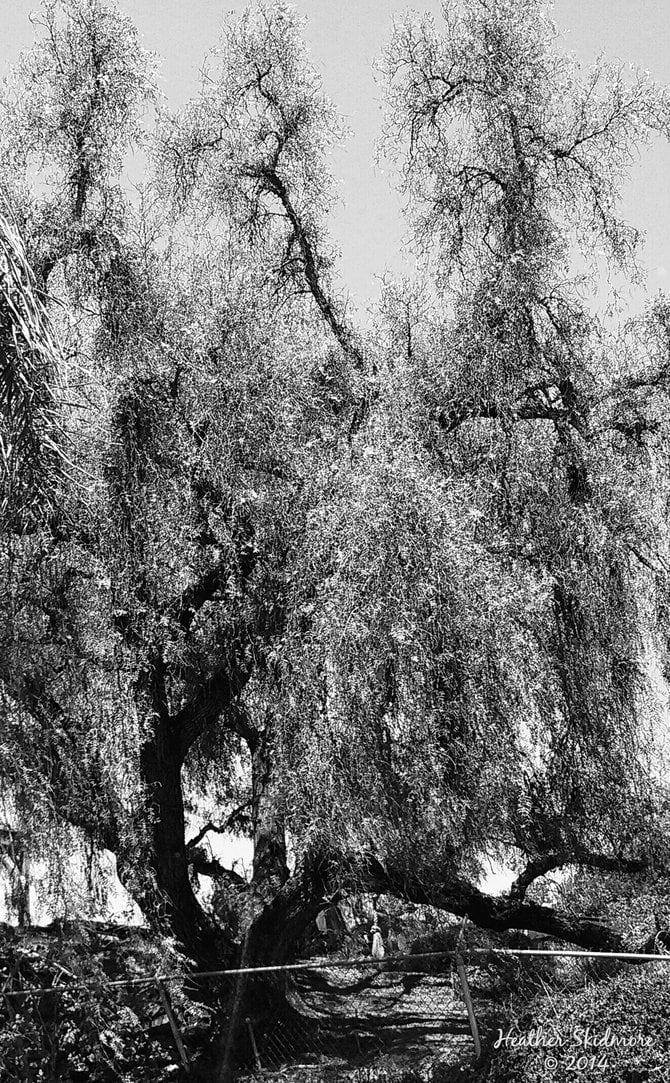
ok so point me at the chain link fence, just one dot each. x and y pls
(405, 1017)
(401, 1013)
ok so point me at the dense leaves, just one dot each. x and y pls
(90, 1029)
(614, 1030)
(394, 595)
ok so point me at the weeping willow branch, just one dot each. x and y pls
(31, 455)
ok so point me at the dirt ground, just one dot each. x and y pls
(345, 1021)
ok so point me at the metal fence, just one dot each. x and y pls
(334, 1016)
(420, 1017)
(343, 1018)
(425, 1015)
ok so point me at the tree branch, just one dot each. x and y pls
(233, 820)
(212, 698)
(498, 913)
(185, 608)
(452, 418)
(276, 186)
(540, 866)
(209, 866)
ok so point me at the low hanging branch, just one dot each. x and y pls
(509, 910)
(540, 866)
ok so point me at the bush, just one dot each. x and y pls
(97, 1033)
(614, 1031)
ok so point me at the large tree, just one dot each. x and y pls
(406, 577)
(200, 390)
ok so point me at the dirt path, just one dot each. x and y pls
(347, 1020)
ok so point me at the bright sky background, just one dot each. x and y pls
(344, 37)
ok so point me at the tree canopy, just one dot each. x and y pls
(391, 592)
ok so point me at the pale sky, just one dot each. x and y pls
(344, 37)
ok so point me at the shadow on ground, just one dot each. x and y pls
(347, 1020)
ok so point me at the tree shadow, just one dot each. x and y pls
(351, 1023)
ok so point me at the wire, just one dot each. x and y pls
(394, 961)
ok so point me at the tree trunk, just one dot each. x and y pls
(170, 899)
(270, 941)
(270, 871)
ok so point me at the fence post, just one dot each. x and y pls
(224, 1071)
(460, 966)
(257, 1059)
(174, 1026)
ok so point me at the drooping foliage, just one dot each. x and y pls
(473, 652)
(31, 451)
(404, 581)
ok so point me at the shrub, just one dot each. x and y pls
(98, 1032)
(614, 1031)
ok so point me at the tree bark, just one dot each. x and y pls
(270, 941)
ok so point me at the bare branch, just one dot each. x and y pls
(237, 816)
(275, 184)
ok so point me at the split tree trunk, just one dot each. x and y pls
(171, 900)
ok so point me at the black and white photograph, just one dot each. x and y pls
(334, 541)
